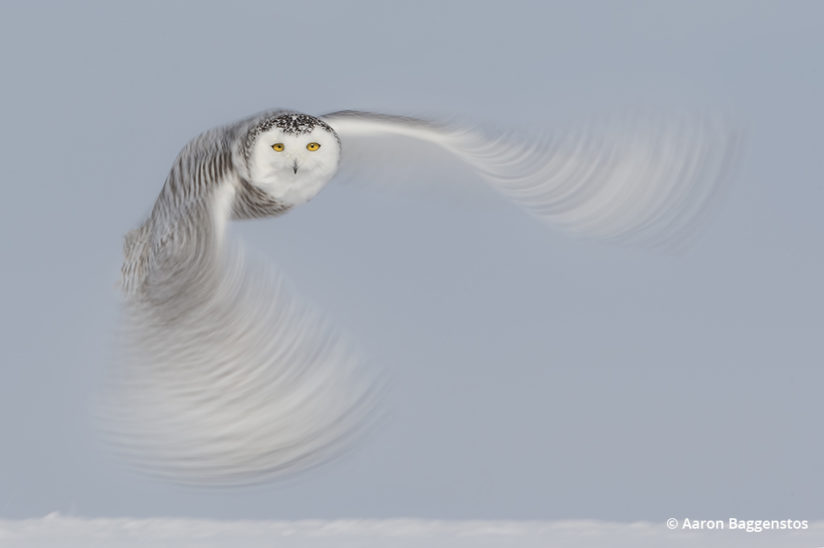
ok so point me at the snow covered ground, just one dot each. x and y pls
(69, 532)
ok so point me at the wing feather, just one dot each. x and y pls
(639, 178)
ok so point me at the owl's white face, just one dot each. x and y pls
(293, 167)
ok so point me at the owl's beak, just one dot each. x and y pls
(295, 167)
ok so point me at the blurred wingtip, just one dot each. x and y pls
(245, 386)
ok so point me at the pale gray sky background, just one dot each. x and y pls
(535, 375)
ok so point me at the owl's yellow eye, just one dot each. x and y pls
(313, 146)
(278, 147)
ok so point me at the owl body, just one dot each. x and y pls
(232, 172)
(226, 378)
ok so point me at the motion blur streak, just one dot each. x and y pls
(242, 384)
(636, 178)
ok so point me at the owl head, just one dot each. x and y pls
(291, 156)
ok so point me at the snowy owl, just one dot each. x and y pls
(225, 378)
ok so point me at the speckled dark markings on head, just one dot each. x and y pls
(294, 123)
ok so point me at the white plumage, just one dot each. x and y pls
(225, 378)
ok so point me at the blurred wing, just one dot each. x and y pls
(637, 179)
(234, 385)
